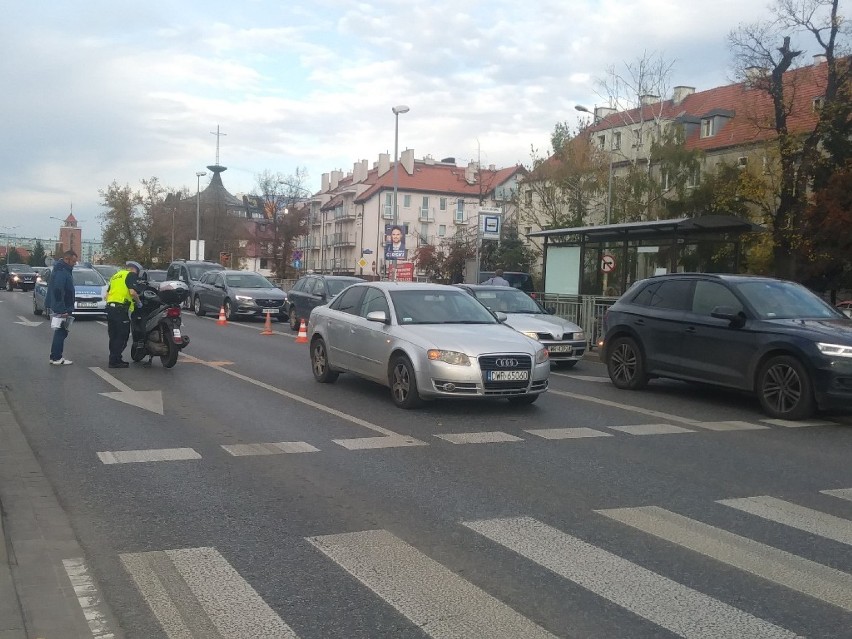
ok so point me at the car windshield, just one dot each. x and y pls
(249, 280)
(508, 300)
(106, 270)
(156, 276)
(438, 307)
(196, 271)
(87, 277)
(335, 286)
(21, 268)
(784, 300)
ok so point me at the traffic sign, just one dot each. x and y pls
(362, 262)
(607, 263)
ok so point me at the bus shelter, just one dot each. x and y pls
(605, 260)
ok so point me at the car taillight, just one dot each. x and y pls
(173, 311)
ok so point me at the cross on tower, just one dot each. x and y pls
(218, 135)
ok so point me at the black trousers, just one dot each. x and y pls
(118, 329)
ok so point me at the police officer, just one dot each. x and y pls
(122, 298)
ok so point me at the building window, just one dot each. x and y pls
(528, 195)
(460, 211)
(602, 141)
(406, 201)
(765, 165)
(818, 103)
(442, 230)
(664, 179)
(742, 162)
(527, 230)
(442, 204)
(694, 178)
(707, 128)
(424, 233)
(616, 141)
(388, 213)
(637, 137)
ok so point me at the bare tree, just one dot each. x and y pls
(764, 54)
(285, 213)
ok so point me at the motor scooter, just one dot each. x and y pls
(156, 329)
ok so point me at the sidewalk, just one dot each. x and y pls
(37, 597)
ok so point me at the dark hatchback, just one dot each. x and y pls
(770, 337)
(314, 290)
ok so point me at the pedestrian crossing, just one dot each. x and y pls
(196, 592)
(252, 449)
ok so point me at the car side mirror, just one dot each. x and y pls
(378, 316)
(501, 316)
(736, 318)
(551, 310)
(221, 286)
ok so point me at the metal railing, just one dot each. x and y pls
(587, 311)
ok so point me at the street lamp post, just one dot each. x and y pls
(198, 176)
(8, 238)
(597, 119)
(400, 108)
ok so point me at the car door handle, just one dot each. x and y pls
(639, 322)
(690, 329)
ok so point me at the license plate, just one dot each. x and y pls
(177, 336)
(561, 348)
(87, 304)
(270, 310)
(508, 376)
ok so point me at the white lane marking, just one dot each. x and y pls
(441, 603)
(370, 443)
(102, 323)
(309, 402)
(634, 409)
(149, 455)
(800, 424)
(730, 425)
(272, 448)
(582, 378)
(567, 433)
(190, 589)
(486, 437)
(89, 597)
(795, 516)
(783, 568)
(249, 326)
(843, 493)
(673, 606)
(652, 429)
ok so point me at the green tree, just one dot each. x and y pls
(13, 257)
(124, 225)
(512, 253)
(38, 254)
(805, 159)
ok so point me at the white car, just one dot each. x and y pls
(424, 341)
(565, 341)
(89, 292)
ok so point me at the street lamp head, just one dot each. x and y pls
(580, 107)
(401, 108)
(201, 173)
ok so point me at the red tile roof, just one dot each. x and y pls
(752, 110)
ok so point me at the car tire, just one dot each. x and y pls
(196, 306)
(524, 399)
(403, 383)
(36, 309)
(294, 321)
(625, 364)
(229, 311)
(320, 366)
(9, 287)
(784, 389)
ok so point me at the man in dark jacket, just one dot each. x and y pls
(60, 301)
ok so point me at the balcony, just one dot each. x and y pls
(425, 216)
(316, 220)
(341, 239)
(344, 213)
(459, 220)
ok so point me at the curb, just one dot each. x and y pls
(37, 597)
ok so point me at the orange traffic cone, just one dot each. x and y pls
(302, 338)
(222, 319)
(267, 328)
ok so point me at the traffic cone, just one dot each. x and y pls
(302, 338)
(222, 319)
(267, 328)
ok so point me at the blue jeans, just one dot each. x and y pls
(56, 347)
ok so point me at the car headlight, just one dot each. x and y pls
(531, 334)
(579, 336)
(15, 278)
(448, 357)
(542, 356)
(834, 350)
(242, 298)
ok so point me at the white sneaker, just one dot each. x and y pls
(61, 362)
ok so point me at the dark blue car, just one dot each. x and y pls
(770, 337)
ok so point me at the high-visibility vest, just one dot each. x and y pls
(118, 292)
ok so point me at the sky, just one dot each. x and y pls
(96, 92)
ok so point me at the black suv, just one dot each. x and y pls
(19, 276)
(770, 337)
(311, 291)
(189, 272)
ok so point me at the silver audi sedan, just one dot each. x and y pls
(425, 341)
(565, 341)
